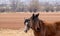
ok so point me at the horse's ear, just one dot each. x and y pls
(37, 15)
(33, 15)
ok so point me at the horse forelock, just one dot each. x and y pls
(26, 20)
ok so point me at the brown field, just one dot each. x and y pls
(11, 24)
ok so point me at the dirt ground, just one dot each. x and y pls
(10, 32)
(12, 24)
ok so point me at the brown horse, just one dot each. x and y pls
(39, 27)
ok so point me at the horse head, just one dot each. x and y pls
(33, 22)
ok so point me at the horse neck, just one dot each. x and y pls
(36, 33)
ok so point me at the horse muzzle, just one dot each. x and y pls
(25, 31)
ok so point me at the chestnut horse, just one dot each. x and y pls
(39, 27)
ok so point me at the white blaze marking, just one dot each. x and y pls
(26, 23)
(26, 28)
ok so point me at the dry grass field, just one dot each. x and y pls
(11, 24)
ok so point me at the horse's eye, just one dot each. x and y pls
(28, 20)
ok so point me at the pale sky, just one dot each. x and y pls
(44, 0)
(7, 1)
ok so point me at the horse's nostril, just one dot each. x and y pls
(38, 29)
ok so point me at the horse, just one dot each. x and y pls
(39, 27)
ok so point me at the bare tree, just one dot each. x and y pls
(34, 5)
(17, 5)
(14, 4)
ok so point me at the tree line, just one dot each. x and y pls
(31, 6)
